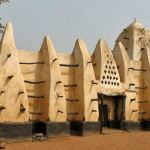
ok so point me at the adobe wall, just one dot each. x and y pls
(50, 88)
(98, 73)
(67, 74)
(32, 73)
(70, 83)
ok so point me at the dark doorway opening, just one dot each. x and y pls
(104, 115)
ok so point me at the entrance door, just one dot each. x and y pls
(105, 115)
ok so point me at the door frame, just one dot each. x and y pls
(116, 98)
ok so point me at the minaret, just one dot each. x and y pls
(135, 39)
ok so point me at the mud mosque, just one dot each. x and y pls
(78, 93)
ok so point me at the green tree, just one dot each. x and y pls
(1, 26)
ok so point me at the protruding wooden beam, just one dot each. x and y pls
(72, 100)
(35, 113)
(94, 110)
(22, 109)
(70, 85)
(54, 59)
(66, 65)
(142, 112)
(8, 55)
(139, 69)
(30, 63)
(94, 82)
(2, 107)
(89, 62)
(141, 87)
(94, 99)
(133, 84)
(134, 110)
(133, 99)
(30, 96)
(59, 82)
(60, 111)
(21, 92)
(72, 113)
(143, 29)
(142, 101)
(9, 77)
(59, 95)
(131, 68)
(126, 38)
(38, 82)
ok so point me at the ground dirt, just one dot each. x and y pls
(109, 140)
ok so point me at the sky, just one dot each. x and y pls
(64, 21)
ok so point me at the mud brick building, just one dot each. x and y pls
(56, 93)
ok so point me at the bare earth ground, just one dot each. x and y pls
(109, 140)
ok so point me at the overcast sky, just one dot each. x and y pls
(64, 21)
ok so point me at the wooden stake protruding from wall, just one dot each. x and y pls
(60, 111)
(125, 30)
(59, 95)
(2, 107)
(21, 92)
(22, 109)
(59, 82)
(8, 55)
(94, 82)
(134, 110)
(2, 92)
(133, 99)
(9, 77)
(94, 110)
(54, 59)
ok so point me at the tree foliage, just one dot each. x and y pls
(1, 26)
(3, 1)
